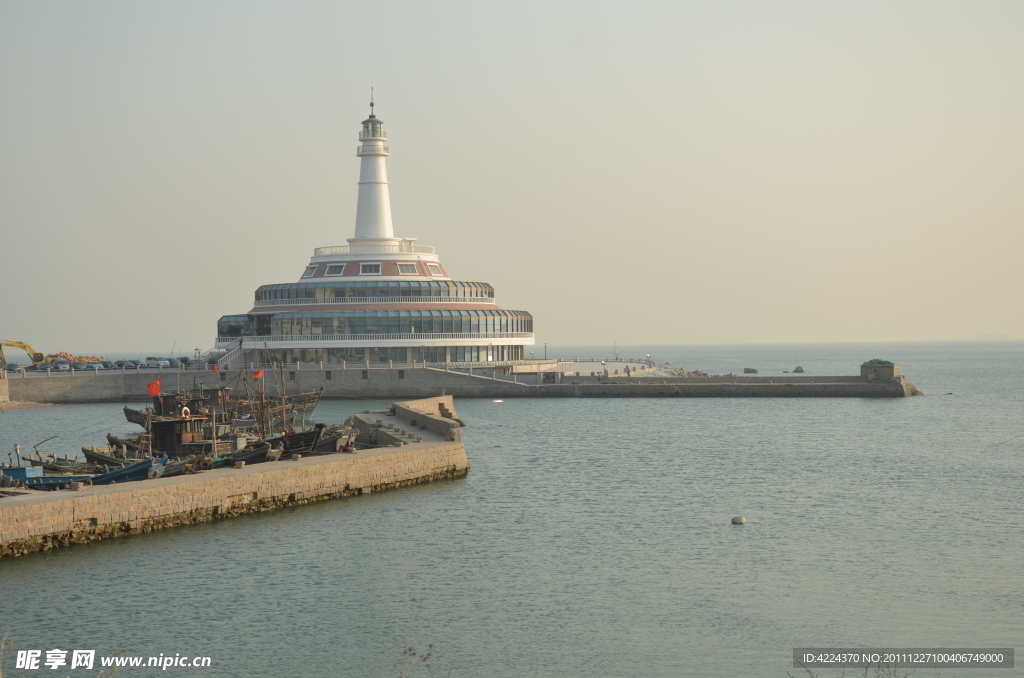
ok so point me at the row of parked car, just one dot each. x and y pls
(65, 366)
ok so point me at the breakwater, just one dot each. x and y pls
(418, 382)
(38, 521)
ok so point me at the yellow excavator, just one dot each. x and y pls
(36, 356)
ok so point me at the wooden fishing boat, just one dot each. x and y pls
(253, 454)
(105, 456)
(51, 463)
(53, 482)
(319, 440)
(187, 465)
(130, 444)
(150, 467)
(140, 417)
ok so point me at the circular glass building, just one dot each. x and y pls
(379, 299)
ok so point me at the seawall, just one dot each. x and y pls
(39, 521)
(419, 382)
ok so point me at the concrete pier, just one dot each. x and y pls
(407, 381)
(39, 521)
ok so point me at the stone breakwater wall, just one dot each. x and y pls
(39, 521)
(420, 382)
(4, 391)
(404, 422)
(735, 389)
(427, 412)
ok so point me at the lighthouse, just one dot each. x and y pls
(379, 300)
(373, 209)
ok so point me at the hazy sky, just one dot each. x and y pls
(643, 172)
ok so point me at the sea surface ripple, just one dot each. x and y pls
(593, 537)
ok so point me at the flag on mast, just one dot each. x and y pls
(258, 374)
(154, 387)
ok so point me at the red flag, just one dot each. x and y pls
(154, 388)
(258, 374)
(214, 368)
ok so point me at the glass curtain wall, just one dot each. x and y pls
(400, 322)
(399, 354)
(383, 288)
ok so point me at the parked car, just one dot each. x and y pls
(175, 363)
(61, 365)
(44, 367)
(137, 363)
(110, 365)
(157, 362)
(13, 367)
(95, 364)
(78, 366)
(127, 364)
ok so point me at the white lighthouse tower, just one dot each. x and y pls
(379, 300)
(373, 210)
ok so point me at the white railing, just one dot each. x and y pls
(230, 355)
(377, 300)
(496, 363)
(373, 249)
(370, 135)
(423, 336)
(367, 150)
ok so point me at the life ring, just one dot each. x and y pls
(185, 413)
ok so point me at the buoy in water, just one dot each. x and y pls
(739, 520)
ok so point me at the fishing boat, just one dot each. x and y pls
(105, 456)
(253, 454)
(150, 467)
(55, 482)
(140, 417)
(319, 440)
(54, 464)
(187, 465)
(133, 445)
(20, 473)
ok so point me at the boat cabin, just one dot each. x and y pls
(176, 437)
(196, 400)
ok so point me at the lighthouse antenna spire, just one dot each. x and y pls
(371, 99)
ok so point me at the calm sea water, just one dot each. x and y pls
(593, 537)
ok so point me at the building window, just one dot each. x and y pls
(434, 269)
(235, 326)
(369, 269)
(407, 269)
(401, 374)
(291, 376)
(366, 374)
(327, 375)
(310, 270)
(336, 270)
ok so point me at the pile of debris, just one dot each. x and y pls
(72, 358)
